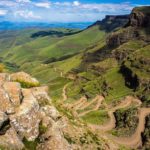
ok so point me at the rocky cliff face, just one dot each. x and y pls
(140, 17)
(26, 115)
(112, 22)
(136, 28)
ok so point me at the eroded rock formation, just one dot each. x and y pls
(27, 113)
(136, 28)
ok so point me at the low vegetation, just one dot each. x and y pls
(96, 117)
(146, 134)
(26, 84)
(126, 122)
(2, 67)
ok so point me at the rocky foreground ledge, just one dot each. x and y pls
(26, 115)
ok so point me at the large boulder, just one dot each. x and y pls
(13, 89)
(27, 117)
(5, 103)
(53, 138)
(4, 77)
(10, 140)
(41, 94)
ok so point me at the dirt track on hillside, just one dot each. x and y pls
(112, 121)
(64, 95)
(134, 141)
(99, 100)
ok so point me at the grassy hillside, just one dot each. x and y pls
(53, 47)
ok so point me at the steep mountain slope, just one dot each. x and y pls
(115, 70)
(121, 56)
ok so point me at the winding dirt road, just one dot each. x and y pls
(99, 100)
(64, 95)
(134, 141)
(78, 103)
(89, 103)
(112, 122)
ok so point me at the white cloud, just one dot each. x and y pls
(62, 3)
(3, 12)
(61, 10)
(23, 1)
(108, 7)
(43, 4)
(7, 3)
(26, 14)
(76, 3)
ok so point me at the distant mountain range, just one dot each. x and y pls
(6, 25)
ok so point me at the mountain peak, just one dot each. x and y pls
(140, 17)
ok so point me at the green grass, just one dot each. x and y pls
(73, 91)
(30, 56)
(54, 47)
(30, 145)
(116, 81)
(96, 117)
(143, 52)
(106, 64)
(25, 84)
(144, 9)
(56, 87)
(2, 68)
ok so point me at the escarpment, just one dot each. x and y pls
(112, 22)
(137, 28)
(27, 115)
(140, 17)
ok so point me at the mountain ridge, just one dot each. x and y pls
(112, 22)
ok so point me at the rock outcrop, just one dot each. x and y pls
(27, 113)
(137, 28)
(140, 17)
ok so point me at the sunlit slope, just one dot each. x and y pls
(11, 38)
(45, 48)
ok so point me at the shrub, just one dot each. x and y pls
(2, 67)
(25, 84)
(30, 145)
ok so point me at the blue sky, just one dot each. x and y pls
(64, 10)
